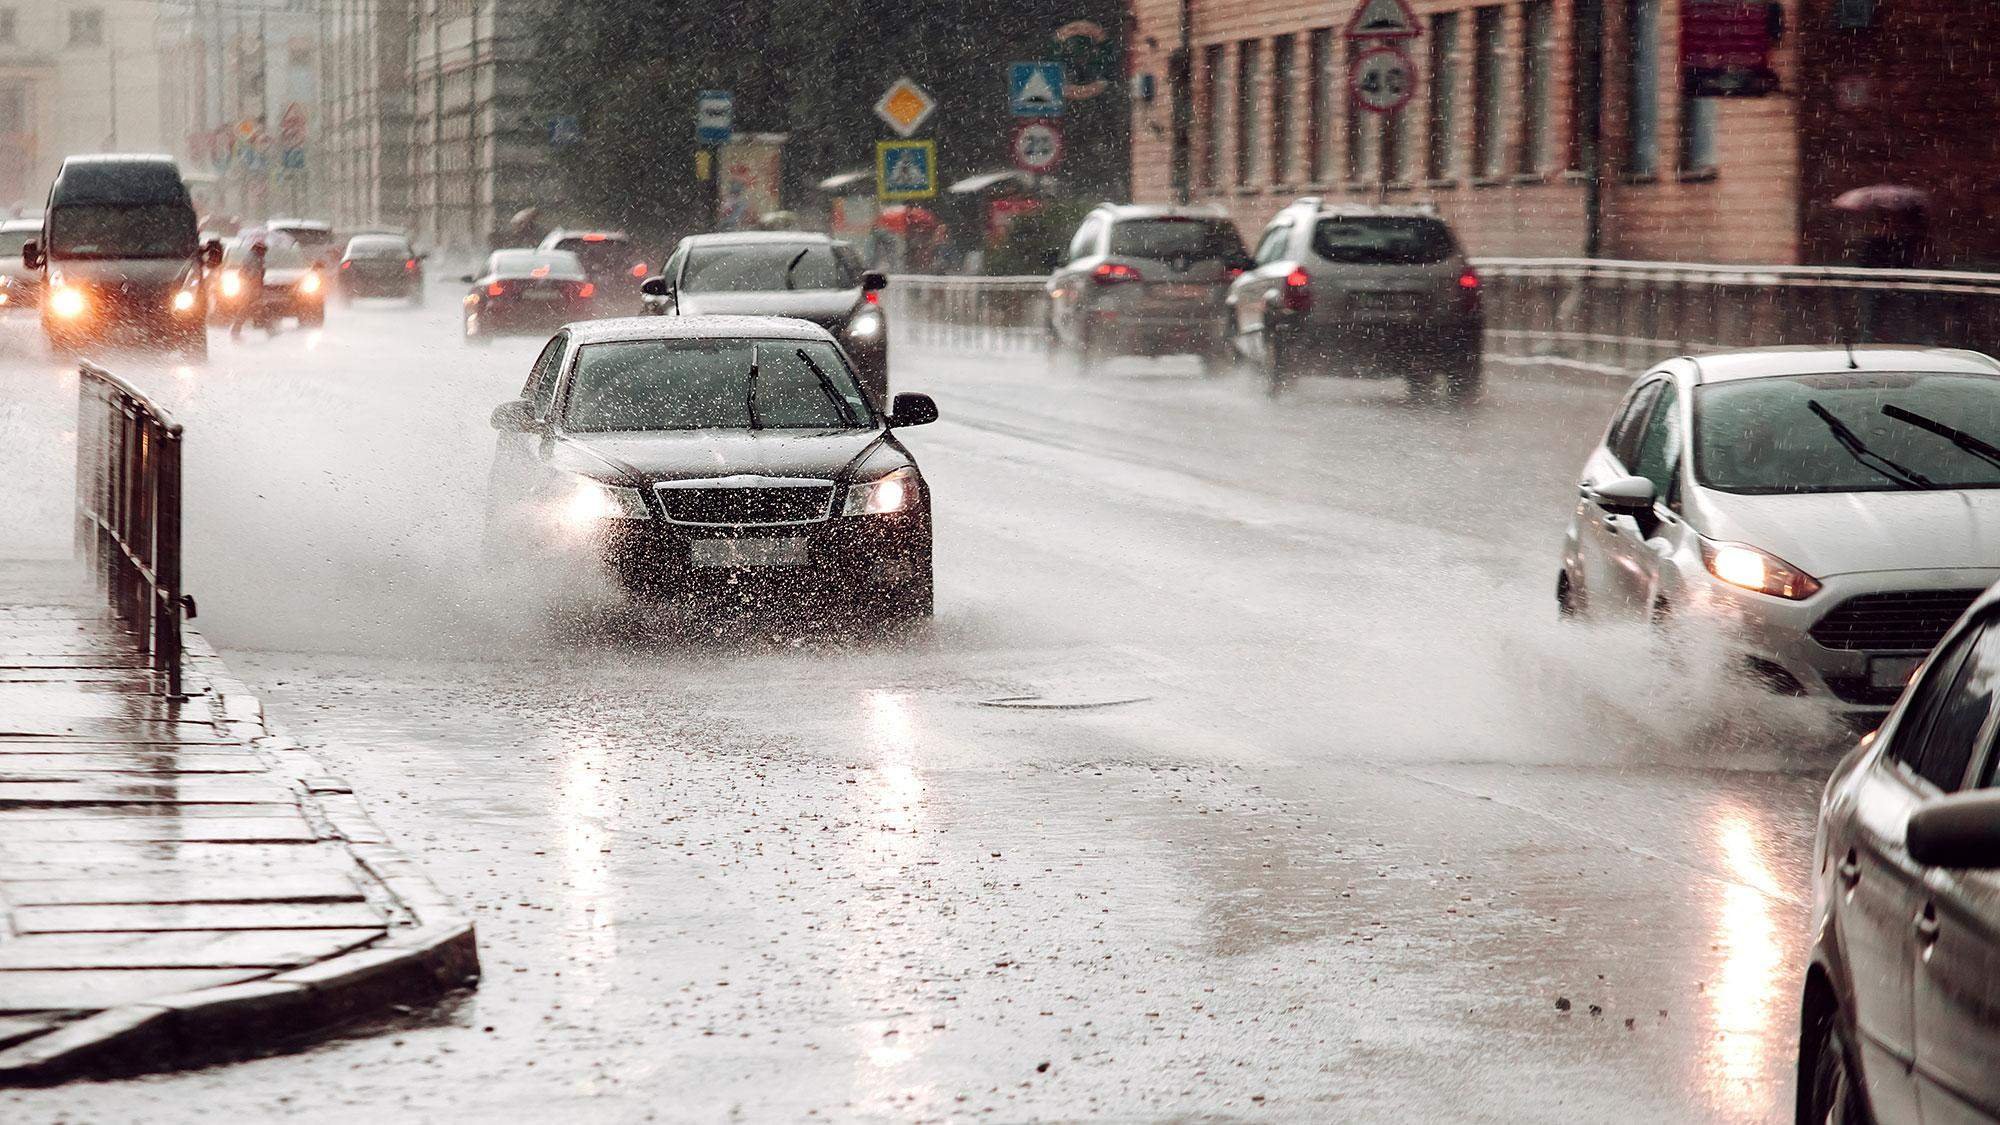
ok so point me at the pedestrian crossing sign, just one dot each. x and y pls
(905, 169)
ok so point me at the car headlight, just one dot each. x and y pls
(892, 493)
(66, 301)
(184, 300)
(866, 325)
(594, 501)
(309, 284)
(1759, 571)
(232, 283)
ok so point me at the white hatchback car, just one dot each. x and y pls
(1832, 510)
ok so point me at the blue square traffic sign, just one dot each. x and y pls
(714, 117)
(1035, 89)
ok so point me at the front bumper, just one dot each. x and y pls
(1773, 637)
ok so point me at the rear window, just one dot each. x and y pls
(308, 235)
(601, 255)
(1169, 239)
(381, 247)
(1383, 241)
(518, 263)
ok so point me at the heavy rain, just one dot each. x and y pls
(1397, 560)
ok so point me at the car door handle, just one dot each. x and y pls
(1850, 870)
(1927, 924)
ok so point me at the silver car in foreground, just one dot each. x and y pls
(1831, 511)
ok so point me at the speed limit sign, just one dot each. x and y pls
(1382, 79)
(1038, 146)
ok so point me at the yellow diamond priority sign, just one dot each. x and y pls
(905, 107)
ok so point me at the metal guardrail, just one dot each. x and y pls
(128, 513)
(1611, 316)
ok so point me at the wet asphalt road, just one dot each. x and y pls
(1315, 812)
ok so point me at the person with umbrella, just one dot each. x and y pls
(1895, 236)
(251, 274)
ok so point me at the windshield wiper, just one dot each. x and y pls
(1983, 450)
(795, 265)
(832, 392)
(750, 392)
(1866, 457)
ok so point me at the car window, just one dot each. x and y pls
(1383, 240)
(1170, 239)
(524, 263)
(541, 389)
(1948, 711)
(1624, 438)
(1272, 246)
(1660, 443)
(652, 385)
(1085, 241)
(379, 246)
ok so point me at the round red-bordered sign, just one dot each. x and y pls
(1037, 146)
(1382, 79)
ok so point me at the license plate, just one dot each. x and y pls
(542, 295)
(1892, 671)
(1387, 302)
(743, 554)
(1182, 293)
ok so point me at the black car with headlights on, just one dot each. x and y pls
(781, 273)
(692, 454)
(526, 291)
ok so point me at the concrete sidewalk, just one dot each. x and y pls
(178, 884)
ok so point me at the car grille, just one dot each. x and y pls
(1904, 621)
(748, 506)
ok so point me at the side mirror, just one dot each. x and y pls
(1623, 496)
(913, 410)
(656, 287)
(211, 253)
(1960, 830)
(32, 256)
(515, 418)
(467, 279)
(874, 281)
(1243, 262)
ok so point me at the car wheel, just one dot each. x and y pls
(1218, 361)
(312, 318)
(1463, 381)
(473, 335)
(1281, 362)
(1569, 601)
(1832, 1094)
(416, 298)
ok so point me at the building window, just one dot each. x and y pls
(1319, 113)
(1489, 112)
(1210, 172)
(1284, 89)
(1538, 47)
(1698, 117)
(1442, 107)
(6, 25)
(1363, 128)
(1396, 146)
(1246, 110)
(1642, 87)
(1585, 81)
(86, 28)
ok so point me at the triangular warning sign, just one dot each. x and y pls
(1036, 91)
(1383, 19)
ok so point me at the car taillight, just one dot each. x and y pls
(639, 269)
(872, 297)
(1298, 291)
(496, 289)
(1234, 272)
(1111, 273)
(346, 265)
(410, 264)
(1468, 280)
(586, 290)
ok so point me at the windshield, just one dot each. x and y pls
(1861, 431)
(307, 236)
(706, 385)
(106, 230)
(768, 267)
(1168, 239)
(524, 263)
(1383, 241)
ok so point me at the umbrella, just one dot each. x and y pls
(847, 181)
(903, 218)
(1883, 197)
(525, 216)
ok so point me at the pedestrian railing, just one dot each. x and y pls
(128, 513)
(1609, 316)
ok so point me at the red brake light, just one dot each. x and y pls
(639, 269)
(1298, 291)
(872, 297)
(593, 238)
(495, 289)
(1468, 280)
(586, 290)
(1235, 272)
(409, 263)
(1111, 273)
(346, 265)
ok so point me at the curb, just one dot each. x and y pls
(430, 949)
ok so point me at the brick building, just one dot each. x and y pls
(1529, 117)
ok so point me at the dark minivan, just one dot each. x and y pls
(118, 256)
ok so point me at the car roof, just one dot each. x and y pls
(1820, 359)
(586, 232)
(755, 237)
(695, 328)
(1318, 207)
(302, 224)
(1123, 212)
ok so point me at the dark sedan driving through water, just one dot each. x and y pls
(781, 273)
(705, 454)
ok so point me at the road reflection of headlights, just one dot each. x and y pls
(232, 283)
(184, 300)
(893, 493)
(865, 326)
(592, 502)
(66, 301)
(310, 283)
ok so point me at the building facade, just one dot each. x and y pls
(75, 77)
(1548, 128)
(241, 94)
(368, 108)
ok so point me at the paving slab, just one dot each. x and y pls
(42, 990)
(275, 948)
(292, 828)
(50, 860)
(299, 886)
(164, 917)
